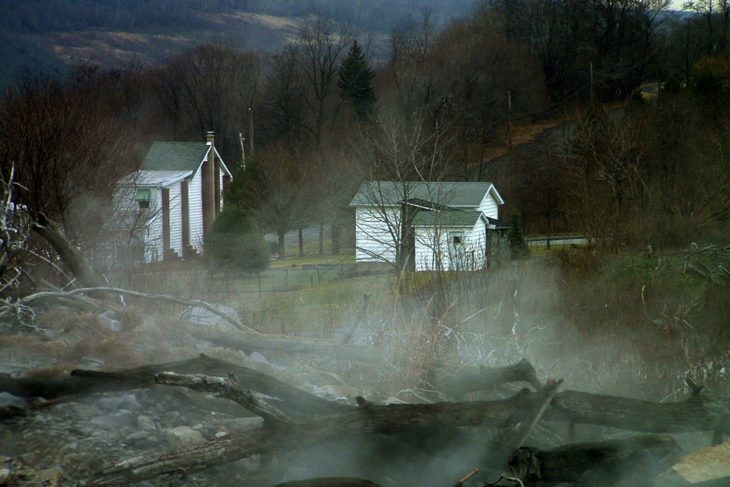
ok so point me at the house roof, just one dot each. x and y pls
(446, 218)
(453, 194)
(175, 156)
(154, 178)
(499, 224)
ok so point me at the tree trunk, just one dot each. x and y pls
(366, 419)
(69, 254)
(301, 242)
(330, 482)
(335, 230)
(294, 401)
(281, 236)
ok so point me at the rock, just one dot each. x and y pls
(4, 475)
(146, 423)
(109, 319)
(141, 439)
(128, 401)
(114, 421)
(115, 402)
(51, 476)
(183, 436)
(10, 400)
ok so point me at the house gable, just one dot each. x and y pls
(180, 156)
(179, 191)
(393, 193)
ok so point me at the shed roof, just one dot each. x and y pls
(154, 178)
(175, 156)
(454, 194)
(446, 218)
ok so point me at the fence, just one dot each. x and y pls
(197, 282)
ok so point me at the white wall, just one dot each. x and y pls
(176, 218)
(429, 241)
(195, 201)
(377, 231)
(489, 206)
(434, 250)
(153, 238)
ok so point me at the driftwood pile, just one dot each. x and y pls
(294, 420)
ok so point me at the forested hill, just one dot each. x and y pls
(49, 36)
(42, 16)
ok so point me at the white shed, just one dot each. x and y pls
(441, 225)
(166, 207)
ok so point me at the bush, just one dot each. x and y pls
(517, 245)
(235, 242)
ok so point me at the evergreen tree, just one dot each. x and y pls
(235, 242)
(355, 82)
(517, 245)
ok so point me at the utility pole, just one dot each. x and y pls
(509, 117)
(250, 126)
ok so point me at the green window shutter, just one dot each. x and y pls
(143, 194)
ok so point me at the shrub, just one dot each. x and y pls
(235, 242)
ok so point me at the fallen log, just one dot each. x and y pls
(68, 253)
(330, 482)
(368, 418)
(99, 290)
(697, 413)
(401, 419)
(290, 399)
(251, 340)
(228, 388)
(514, 438)
(473, 379)
(289, 345)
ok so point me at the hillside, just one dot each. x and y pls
(50, 36)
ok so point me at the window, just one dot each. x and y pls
(456, 240)
(142, 196)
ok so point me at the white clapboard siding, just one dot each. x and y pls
(427, 241)
(489, 206)
(153, 241)
(176, 218)
(377, 231)
(195, 200)
(434, 250)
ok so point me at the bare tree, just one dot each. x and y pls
(67, 151)
(283, 104)
(709, 9)
(322, 47)
(212, 88)
(275, 186)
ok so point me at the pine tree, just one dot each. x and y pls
(355, 82)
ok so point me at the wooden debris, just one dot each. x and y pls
(330, 482)
(646, 455)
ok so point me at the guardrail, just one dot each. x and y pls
(557, 240)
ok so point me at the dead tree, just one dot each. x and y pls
(294, 419)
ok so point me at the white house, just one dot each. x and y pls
(434, 225)
(165, 208)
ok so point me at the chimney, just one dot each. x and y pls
(209, 184)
